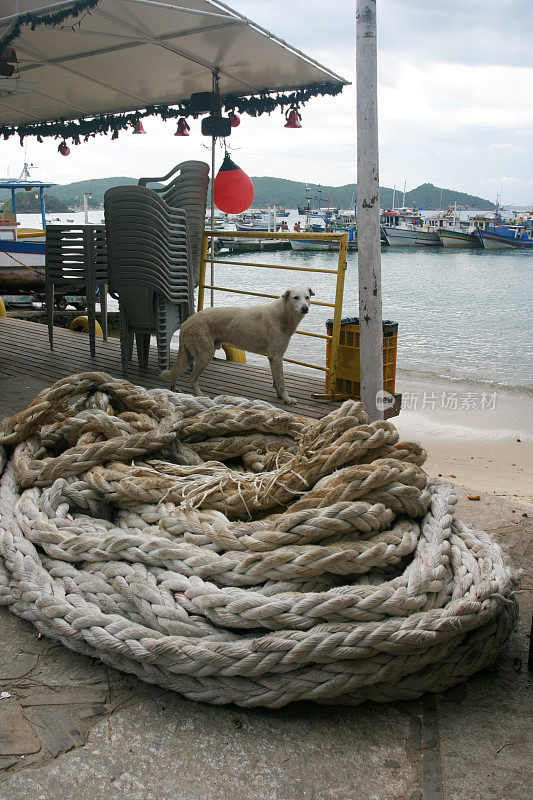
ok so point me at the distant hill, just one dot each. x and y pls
(27, 203)
(72, 193)
(283, 192)
(293, 193)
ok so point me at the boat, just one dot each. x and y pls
(315, 244)
(519, 236)
(406, 228)
(460, 237)
(312, 244)
(21, 249)
(254, 226)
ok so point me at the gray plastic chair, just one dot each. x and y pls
(149, 269)
(187, 190)
(76, 260)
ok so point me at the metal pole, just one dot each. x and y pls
(86, 206)
(43, 213)
(368, 233)
(214, 86)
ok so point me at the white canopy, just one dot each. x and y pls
(125, 55)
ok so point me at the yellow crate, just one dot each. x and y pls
(348, 372)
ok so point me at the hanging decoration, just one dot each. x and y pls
(234, 119)
(183, 127)
(64, 149)
(293, 117)
(35, 19)
(233, 189)
(114, 123)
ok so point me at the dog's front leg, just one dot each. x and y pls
(276, 366)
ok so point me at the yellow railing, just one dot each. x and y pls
(333, 238)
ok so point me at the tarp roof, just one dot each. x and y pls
(126, 55)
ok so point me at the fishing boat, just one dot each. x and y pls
(466, 234)
(519, 236)
(461, 236)
(411, 230)
(22, 249)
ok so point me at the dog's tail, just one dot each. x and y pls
(183, 360)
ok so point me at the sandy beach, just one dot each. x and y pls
(477, 435)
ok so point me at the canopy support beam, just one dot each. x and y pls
(368, 212)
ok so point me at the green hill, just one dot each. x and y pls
(293, 193)
(27, 203)
(72, 193)
(281, 191)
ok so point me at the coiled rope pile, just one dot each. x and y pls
(234, 553)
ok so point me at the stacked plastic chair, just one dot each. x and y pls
(149, 269)
(76, 261)
(187, 190)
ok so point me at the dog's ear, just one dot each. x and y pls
(311, 293)
(286, 294)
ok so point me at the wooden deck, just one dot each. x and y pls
(24, 351)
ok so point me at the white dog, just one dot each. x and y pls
(264, 329)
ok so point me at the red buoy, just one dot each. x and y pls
(64, 149)
(233, 189)
(234, 119)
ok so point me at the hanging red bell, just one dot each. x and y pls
(138, 127)
(293, 118)
(183, 127)
(64, 149)
(233, 189)
(234, 119)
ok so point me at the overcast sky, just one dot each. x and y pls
(455, 104)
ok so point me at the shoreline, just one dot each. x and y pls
(477, 436)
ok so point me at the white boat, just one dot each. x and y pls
(315, 244)
(312, 244)
(410, 235)
(412, 231)
(255, 226)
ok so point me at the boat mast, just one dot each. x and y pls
(368, 211)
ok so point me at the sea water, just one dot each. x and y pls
(463, 314)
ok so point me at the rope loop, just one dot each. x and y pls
(234, 552)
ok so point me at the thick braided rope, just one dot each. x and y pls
(319, 563)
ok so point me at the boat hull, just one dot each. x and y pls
(21, 265)
(309, 244)
(255, 228)
(459, 239)
(400, 237)
(494, 240)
